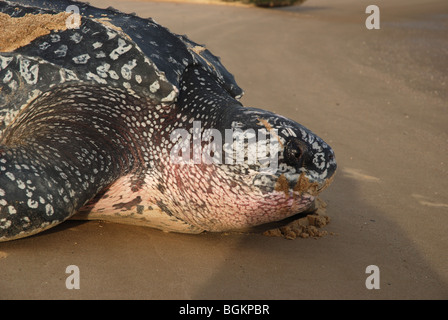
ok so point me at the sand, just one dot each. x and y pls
(378, 97)
(18, 32)
(305, 225)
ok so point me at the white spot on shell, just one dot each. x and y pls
(81, 59)
(28, 72)
(95, 77)
(111, 34)
(103, 70)
(154, 86)
(122, 48)
(5, 224)
(55, 37)
(5, 61)
(76, 37)
(61, 51)
(44, 45)
(10, 176)
(100, 54)
(49, 210)
(67, 75)
(126, 69)
(33, 204)
(113, 75)
(7, 77)
(21, 184)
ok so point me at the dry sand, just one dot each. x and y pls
(379, 97)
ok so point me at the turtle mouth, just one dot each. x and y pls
(300, 184)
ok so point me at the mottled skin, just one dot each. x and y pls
(85, 121)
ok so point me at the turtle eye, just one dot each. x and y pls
(293, 152)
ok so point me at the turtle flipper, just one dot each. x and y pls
(63, 148)
(34, 195)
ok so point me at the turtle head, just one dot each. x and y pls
(270, 168)
(283, 155)
(251, 166)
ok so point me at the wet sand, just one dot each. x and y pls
(378, 97)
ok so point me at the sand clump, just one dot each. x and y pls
(18, 32)
(309, 226)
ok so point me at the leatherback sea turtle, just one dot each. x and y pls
(93, 107)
